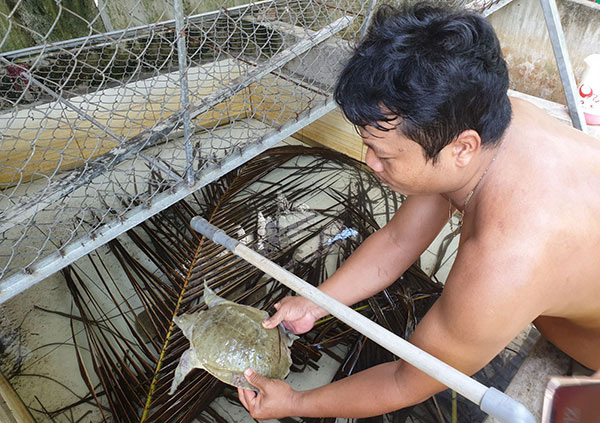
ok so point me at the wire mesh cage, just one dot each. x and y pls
(150, 98)
(111, 111)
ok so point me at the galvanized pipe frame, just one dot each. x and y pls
(20, 279)
(102, 164)
(559, 46)
(19, 282)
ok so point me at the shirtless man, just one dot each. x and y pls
(427, 89)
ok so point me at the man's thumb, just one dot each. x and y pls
(255, 379)
(274, 320)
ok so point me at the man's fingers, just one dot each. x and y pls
(247, 398)
(274, 320)
(242, 397)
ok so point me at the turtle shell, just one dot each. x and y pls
(228, 338)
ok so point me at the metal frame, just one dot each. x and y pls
(559, 46)
(52, 263)
(177, 125)
(127, 148)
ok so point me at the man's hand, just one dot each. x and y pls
(297, 314)
(274, 400)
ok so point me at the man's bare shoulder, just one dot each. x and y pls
(547, 180)
(538, 219)
(487, 267)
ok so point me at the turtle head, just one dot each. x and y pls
(185, 322)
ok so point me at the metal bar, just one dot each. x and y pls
(492, 401)
(163, 168)
(559, 45)
(183, 83)
(368, 16)
(59, 189)
(19, 282)
(104, 16)
(495, 7)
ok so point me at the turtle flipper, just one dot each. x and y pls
(187, 362)
(211, 299)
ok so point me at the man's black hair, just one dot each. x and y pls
(439, 70)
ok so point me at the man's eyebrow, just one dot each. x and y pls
(374, 147)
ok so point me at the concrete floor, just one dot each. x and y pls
(529, 384)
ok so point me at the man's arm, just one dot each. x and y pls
(489, 297)
(387, 253)
(375, 265)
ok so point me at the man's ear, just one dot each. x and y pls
(465, 146)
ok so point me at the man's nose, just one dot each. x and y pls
(372, 161)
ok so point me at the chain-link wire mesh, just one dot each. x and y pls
(145, 100)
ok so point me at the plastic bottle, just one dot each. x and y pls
(589, 90)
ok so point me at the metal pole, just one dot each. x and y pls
(368, 17)
(104, 16)
(559, 45)
(490, 400)
(183, 83)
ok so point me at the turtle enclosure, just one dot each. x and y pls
(88, 121)
(120, 121)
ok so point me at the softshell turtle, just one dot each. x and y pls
(228, 338)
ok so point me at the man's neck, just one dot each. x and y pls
(465, 196)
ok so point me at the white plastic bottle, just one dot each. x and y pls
(589, 90)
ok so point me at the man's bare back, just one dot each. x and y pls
(541, 197)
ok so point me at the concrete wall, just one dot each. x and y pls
(130, 13)
(35, 22)
(522, 31)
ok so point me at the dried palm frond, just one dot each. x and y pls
(289, 204)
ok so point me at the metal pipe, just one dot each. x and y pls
(368, 17)
(491, 401)
(559, 45)
(183, 83)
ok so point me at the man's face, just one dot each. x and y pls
(400, 162)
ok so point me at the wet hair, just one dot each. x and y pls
(439, 70)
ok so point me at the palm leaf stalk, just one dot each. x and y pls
(127, 304)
